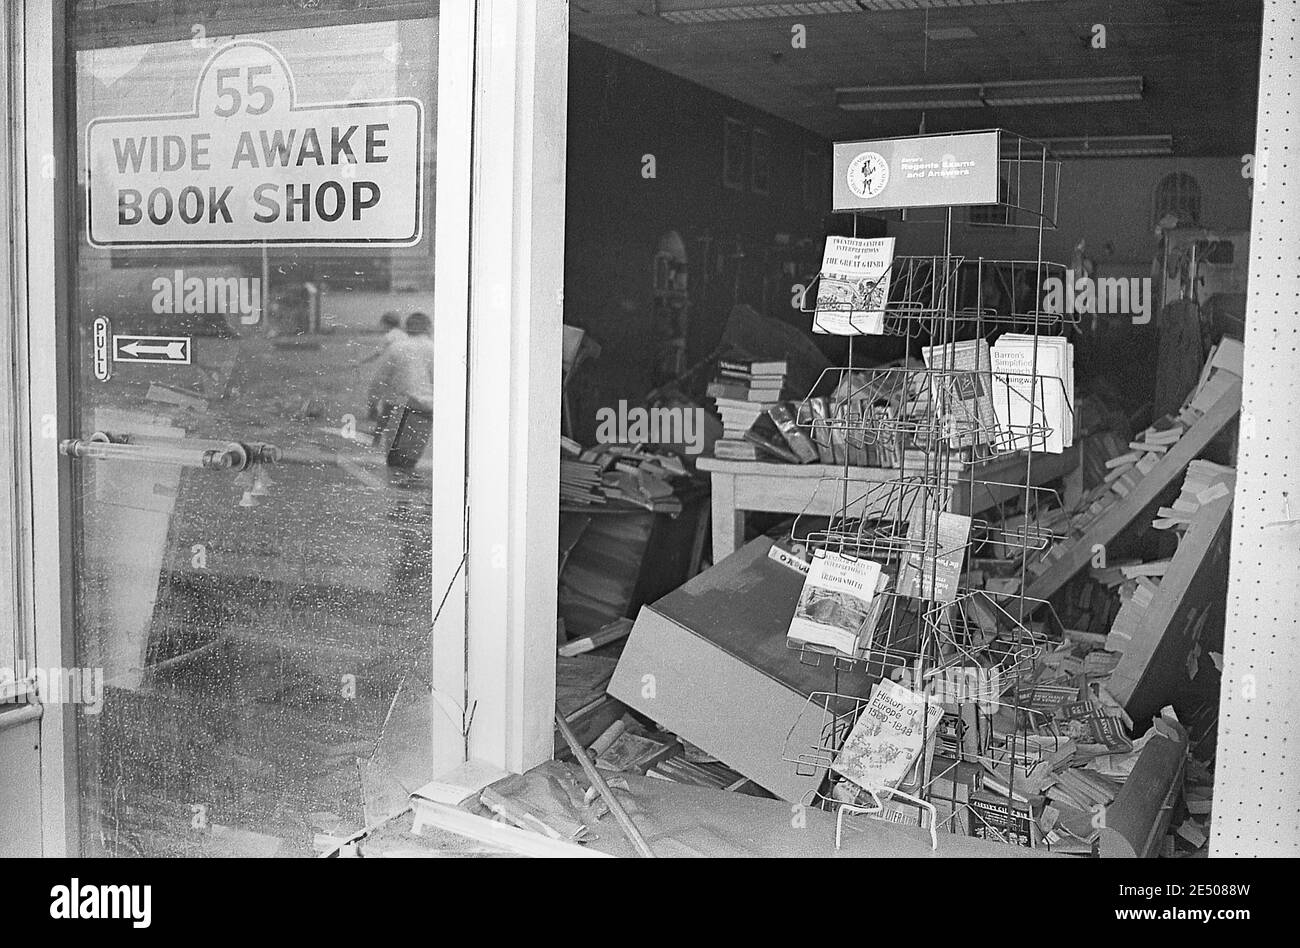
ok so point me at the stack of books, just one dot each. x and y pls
(579, 475)
(743, 391)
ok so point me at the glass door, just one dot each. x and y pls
(251, 384)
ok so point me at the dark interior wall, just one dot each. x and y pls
(1109, 204)
(620, 111)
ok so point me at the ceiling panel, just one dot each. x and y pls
(1200, 60)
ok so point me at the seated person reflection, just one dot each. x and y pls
(401, 395)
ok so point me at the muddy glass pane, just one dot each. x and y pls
(252, 375)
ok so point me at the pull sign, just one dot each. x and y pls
(103, 363)
(156, 350)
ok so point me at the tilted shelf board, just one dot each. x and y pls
(1114, 521)
(1155, 659)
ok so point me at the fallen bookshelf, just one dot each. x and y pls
(1156, 654)
(1077, 554)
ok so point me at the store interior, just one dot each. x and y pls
(1042, 576)
(700, 203)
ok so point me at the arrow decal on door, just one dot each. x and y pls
(156, 350)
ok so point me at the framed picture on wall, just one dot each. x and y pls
(760, 162)
(816, 180)
(735, 145)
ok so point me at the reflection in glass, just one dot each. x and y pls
(264, 633)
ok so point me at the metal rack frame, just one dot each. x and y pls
(911, 414)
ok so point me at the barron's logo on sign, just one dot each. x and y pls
(868, 175)
(252, 165)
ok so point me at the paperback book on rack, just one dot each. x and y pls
(1033, 392)
(936, 573)
(960, 386)
(854, 286)
(835, 608)
(888, 737)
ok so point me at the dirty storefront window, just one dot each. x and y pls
(251, 382)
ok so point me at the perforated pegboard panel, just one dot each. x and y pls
(1257, 779)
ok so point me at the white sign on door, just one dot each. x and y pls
(251, 165)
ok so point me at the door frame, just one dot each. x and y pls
(516, 351)
(500, 183)
(48, 407)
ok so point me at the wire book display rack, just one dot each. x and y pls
(970, 652)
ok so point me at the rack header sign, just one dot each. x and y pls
(250, 165)
(919, 171)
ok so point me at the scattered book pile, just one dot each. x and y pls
(1048, 769)
(579, 475)
(697, 768)
(1191, 836)
(1204, 483)
(1140, 460)
(627, 474)
(1134, 583)
(1139, 583)
(1027, 758)
(715, 775)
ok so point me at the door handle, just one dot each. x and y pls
(233, 456)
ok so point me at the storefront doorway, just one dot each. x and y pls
(282, 274)
(251, 369)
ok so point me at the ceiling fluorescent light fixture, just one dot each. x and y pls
(1064, 91)
(970, 95)
(1111, 146)
(721, 11)
(945, 33)
(890, 98)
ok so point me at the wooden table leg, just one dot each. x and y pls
(728, 522)
(703, 523)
